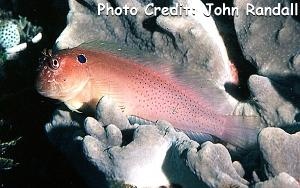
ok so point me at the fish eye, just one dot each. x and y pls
(81, 58)
(54, 64)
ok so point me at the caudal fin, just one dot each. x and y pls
(241, 131)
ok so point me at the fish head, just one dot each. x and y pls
(62, 75)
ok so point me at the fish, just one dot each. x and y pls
(141, 86)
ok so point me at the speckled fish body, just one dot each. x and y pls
(138, 89)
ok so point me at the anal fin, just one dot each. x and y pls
(199, 137)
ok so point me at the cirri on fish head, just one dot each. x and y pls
(63, 75)
(81, 76)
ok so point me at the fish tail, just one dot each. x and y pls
(241, 131)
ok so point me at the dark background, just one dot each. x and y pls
(25, 112)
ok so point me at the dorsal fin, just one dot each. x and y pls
(119, 49)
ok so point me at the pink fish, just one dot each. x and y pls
(81, 76)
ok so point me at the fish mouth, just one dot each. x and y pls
(46, 92)
(58, 91)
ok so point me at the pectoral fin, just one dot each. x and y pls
(74, 105)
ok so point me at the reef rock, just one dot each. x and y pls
(276, 103)
(281, 151)
(239, 168)
(192, 40)
(212, 163)
(145, 156)
(108, 113)
(144, 162)
(271, 43)
(282, 180)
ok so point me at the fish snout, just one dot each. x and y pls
(45, 80)
(47, 88)
(40, 84)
